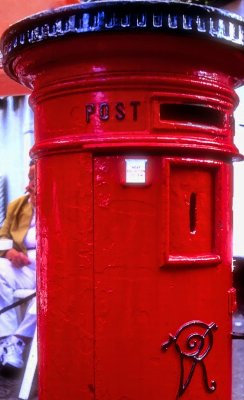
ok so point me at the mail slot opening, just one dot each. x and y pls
(193, 212)
(192, 113)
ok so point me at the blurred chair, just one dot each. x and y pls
(2, 199)
(32, 356)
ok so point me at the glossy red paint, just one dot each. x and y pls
(133, 142)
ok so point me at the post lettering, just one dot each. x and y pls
(90, 109)
(120, 108)
(104, 111)
(135, 105)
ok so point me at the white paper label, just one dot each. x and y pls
(135, 171)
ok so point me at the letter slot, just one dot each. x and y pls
(191, 211)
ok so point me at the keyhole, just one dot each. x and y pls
(193, 212)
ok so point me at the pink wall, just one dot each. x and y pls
(12, 11)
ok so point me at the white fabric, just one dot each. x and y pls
(30, 239)
(11, 279)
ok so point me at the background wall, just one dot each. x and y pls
(16, 139)
(12, 11)
(238, 201)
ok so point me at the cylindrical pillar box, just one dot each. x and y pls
(133, 105)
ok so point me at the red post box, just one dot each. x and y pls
(133, 106)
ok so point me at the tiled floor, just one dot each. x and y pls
(9, 387)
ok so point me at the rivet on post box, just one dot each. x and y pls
(133, 105)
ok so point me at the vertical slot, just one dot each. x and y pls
(193, 212)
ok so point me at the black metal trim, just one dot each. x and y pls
(101, 16)
(196, 348)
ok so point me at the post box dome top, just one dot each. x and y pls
(92, 17)
(122, 15)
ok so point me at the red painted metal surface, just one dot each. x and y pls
(134, 142)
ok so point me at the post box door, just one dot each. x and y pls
(158, 271)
